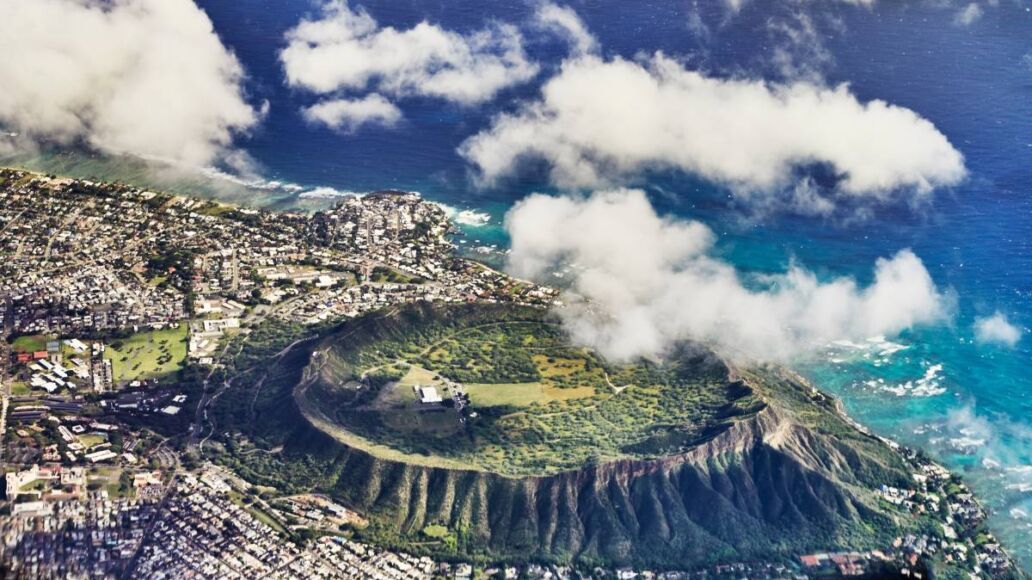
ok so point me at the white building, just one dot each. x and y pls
(429, 395)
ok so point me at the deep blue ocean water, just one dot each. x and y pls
(970, 405)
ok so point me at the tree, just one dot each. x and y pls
(125, 481)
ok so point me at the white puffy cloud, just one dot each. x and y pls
(600, 123)
(349, 115)
(566, 22)
(147, 77)
(641, 282)
(345, 50)
(997, 329)
(968, 15)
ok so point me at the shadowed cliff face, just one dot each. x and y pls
(762, 487)
(790, 476)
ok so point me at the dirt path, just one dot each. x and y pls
(616, 390)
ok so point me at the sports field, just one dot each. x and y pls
(148, 355)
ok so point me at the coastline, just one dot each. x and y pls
(838, 403)
(916, 458)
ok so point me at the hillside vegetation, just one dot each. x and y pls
(736, 464)
(536, 405)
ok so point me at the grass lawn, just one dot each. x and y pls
(35, 485)
(441, 534)
(68, 352)
(91, 440)
(522, 394)
(148, 355)
(267, 519)
(381, 275)
(108, 478)
(435, 531)
(31, 343)
(215, 209)
(418, 375)
(260, 514)
(20, 389)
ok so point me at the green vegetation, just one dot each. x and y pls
(254, 507)
(522, 394)
(435, 531)
(756, 466)
(441, 534)
(537, 404)
(148, 355)
(381, 274)
(92, 440)
(215, 209)
(35, 485)
(112, 479)
(337, 415)
(30, 343)
(173, 265)
(267, 519)
(260, 407)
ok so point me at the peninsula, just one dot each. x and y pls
(340, 395)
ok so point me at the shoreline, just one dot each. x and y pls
(912, 455)
(233, 205)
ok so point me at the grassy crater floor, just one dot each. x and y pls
(518, 398)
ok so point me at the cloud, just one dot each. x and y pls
(345, 50)
(565, 21)
(601, 123)
(734, 6)
(147, 77)
(968, 15)
(641, 283)
(696, 25)
(798, 50)
(997, 329)
(349, 115)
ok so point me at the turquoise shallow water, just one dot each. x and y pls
(935, 388)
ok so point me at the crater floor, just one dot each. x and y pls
(501, 389)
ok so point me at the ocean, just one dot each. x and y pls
(969, 405)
